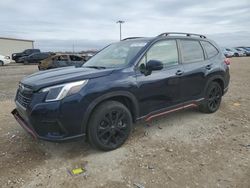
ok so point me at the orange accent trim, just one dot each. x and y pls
(24, 126)
(169, 111)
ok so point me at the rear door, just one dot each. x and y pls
(161, 89)
(195, 67)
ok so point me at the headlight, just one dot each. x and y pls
(58, 92)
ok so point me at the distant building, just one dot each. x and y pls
(9, 46)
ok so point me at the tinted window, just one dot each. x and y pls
(26, 51)
(210, 49)
(35, 50)
(45, 55)
(191, 51)
(164, 51)
(41, 55)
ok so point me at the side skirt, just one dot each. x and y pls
(190, 104)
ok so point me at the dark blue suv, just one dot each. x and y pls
(134, 79)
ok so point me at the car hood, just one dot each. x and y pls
(47, 78)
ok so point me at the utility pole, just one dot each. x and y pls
(120, 23)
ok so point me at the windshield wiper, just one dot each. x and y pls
(94, 67)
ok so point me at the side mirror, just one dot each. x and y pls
(153, 65)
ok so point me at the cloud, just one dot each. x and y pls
(93, 22)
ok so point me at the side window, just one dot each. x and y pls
(210, 49)
(164, 51)
(26, 51)
(44, 55)
(62, 58)
(75, 58)
(191, 51)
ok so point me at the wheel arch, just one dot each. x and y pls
(124, 97)
(216, 78)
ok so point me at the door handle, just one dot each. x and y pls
(209, 67)
(179, 72)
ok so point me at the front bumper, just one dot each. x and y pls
(53, 121)
(23, 124)
(26, 126)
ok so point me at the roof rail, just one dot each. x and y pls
(131, 38)
(176, 33)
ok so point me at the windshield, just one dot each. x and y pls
(116, 55)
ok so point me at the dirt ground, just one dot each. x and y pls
(183, 149)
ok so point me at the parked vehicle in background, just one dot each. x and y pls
(239, 52)
(131, 80)
(61, 60)
(4, 60)
(246, 50)
(86, 57)
(227, 52)
(27, 52)
(35, 58)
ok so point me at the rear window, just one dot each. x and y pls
(210, 49)
(191, 51)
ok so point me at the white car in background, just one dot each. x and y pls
(4, 60)
(227, 52)
(239, 52)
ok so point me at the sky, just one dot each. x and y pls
(61, 25)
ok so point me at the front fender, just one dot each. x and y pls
(104, 97)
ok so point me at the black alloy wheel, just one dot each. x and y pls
(212, 99)
(110, 125)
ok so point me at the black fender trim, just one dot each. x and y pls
(104, 97)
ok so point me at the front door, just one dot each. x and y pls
(161, 89)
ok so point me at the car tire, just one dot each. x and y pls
(109, 126)
(1, 63)
(212, 98)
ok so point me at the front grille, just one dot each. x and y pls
(24, 96)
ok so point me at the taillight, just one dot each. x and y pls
(227, 61)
